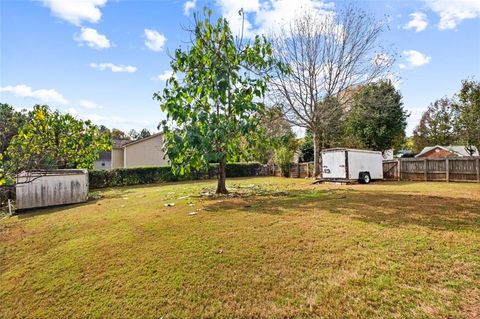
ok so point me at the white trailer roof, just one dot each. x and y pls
(350, 150)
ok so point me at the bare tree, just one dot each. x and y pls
(329, 55)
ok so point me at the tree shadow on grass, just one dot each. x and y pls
(386, 209)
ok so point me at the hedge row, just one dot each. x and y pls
(150, 175)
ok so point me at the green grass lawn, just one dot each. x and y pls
(283, 249)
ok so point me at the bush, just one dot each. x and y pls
(244, 169)
(159, 174)
(130, 176)
(284, 156)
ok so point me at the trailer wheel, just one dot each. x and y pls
(364, 178)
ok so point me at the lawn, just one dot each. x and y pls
(282, 248)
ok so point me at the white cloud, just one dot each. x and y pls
(188, 6)
(165, 75)
(72, 111)
(419, 22)
(453, 12)
(92, 38)
(414, 118)
(276, 14)
(119, 122)
(76, 11)
(113, 67)
(230, 10)
(154, 40)
(414, 59)
(263, 16)
(43, 95)
(87, 104)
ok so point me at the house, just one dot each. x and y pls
(104, 160)
(439, 151)
(147, 151)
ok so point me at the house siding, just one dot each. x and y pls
(147, 152)
(117, 158)
(103, 164)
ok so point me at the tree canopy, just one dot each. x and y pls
(377, 119)
(11, 121)
(212, 98)
(274, 133)
(51, 139)
(467, 108)
(437, 125)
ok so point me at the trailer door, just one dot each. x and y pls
(334, 164)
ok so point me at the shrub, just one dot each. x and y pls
(244, 169)
(150, 175)
(284, 156)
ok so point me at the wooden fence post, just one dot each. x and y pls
(447, 169)
(399, 168)
(425, 170)
(298, 170)
(478, 170)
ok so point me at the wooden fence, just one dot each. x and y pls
(456, 169)
(297, 170)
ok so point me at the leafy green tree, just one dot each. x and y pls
(284, 157)
(274, 132)
(377, 118)
(212, 99)
(144, 133)
(11, 121)
(437, 125)
(53, 140)
(119, 134)
(134, 135)
(306, 148)
(467, 107)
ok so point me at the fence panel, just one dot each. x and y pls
(433, 169)
(436, 170)
(390, 169)
(463, 169)
(413, 170)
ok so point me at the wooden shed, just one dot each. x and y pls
(51, 188)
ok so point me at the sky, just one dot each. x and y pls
(103, 60)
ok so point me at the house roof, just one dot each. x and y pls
(458, 150)
(120, 143)
(143, 139)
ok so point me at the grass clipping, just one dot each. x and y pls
(243, 191)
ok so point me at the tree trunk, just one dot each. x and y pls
(222, 176)
(316, 155)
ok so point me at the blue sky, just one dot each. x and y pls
(103, 60)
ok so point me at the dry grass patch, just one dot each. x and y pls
(283, 249)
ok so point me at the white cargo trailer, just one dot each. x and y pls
(343, 164)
